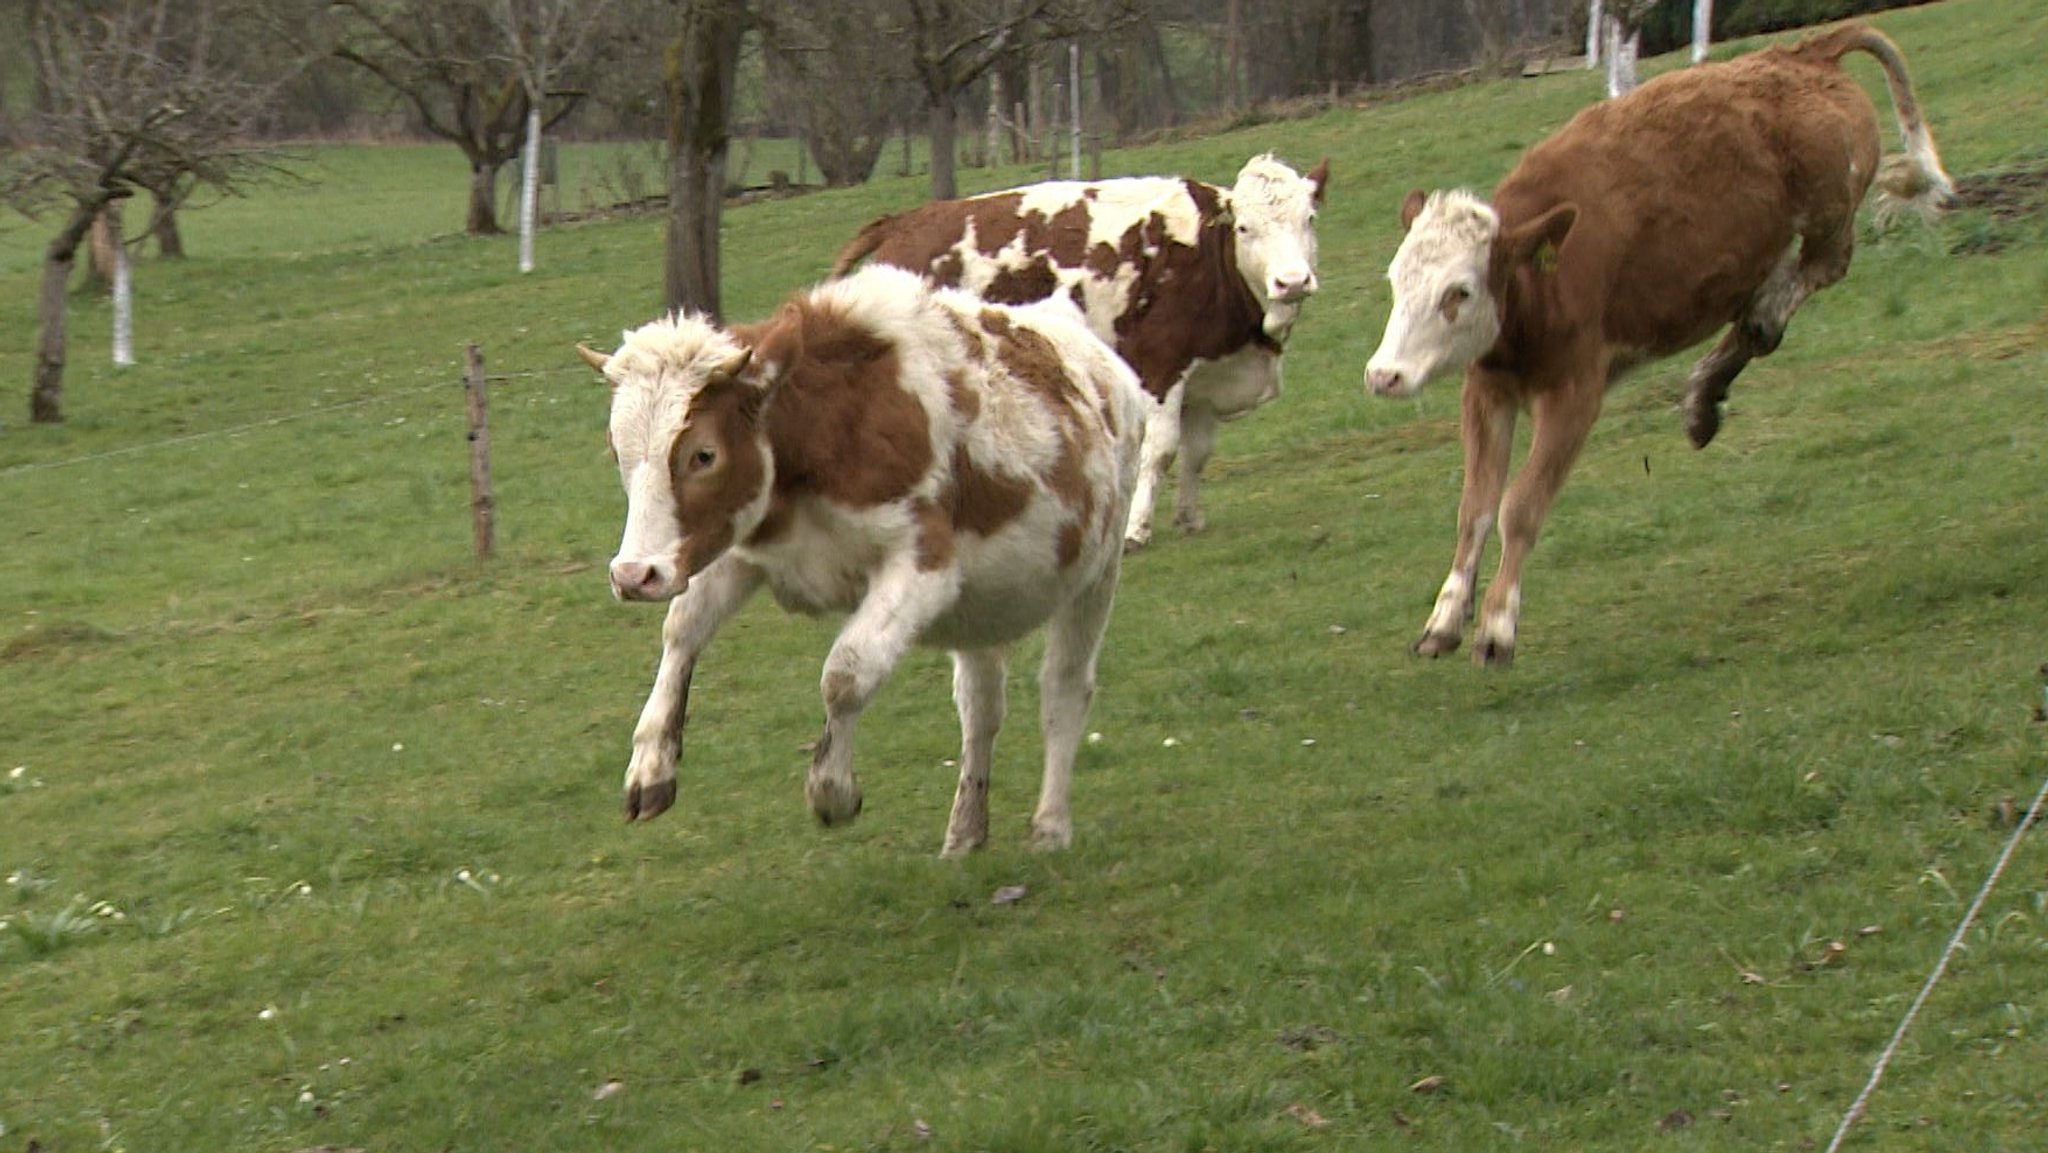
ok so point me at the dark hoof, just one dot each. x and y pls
(645, 804)
(1701, 423)
(834, 819)
(1431, 645)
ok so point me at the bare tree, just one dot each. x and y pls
(701, 68)
(832, 69)
(543, 39)
(449, 60)
(119, 103)
(952, 43)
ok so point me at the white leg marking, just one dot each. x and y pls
(1197, 441)
(1453, 605)
(693, 619)
(1497, 630)
(1162, 442)
(978, 679)
(1066, 687)
(901, 602)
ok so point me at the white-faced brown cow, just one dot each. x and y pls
(1196, 286)
(947, 471)
(1723, 194)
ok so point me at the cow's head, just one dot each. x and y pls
(1275, 219)
(686, 428)
(1448, 277)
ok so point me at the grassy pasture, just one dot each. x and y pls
(314, 838)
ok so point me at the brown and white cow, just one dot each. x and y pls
(947, 471)
(1196, 286)
(1723, 194)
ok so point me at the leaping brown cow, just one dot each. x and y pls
(1723, 194)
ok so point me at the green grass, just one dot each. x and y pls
(315, 838)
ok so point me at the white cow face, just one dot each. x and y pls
(1275, 211)
(1447, 277)
(686, 428)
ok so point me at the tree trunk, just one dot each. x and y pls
(46, 399)
(46, 396)
(163, 225)
(943, 131)
(483, 198)
(702, 64)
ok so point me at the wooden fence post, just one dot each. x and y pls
(482, 505)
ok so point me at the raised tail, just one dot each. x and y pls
(867, 240)
(1914, 181)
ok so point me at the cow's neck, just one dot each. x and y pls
(1240, 316)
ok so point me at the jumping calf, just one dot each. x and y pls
(948, 472)
(1723, 194)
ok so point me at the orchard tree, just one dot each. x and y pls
(127, 89)
(698, 76)
(450, 60)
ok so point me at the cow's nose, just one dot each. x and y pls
(633, 580)
(1385, 381)
(1290, 289)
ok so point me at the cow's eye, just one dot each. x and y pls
(702, 459)
(1454, 298)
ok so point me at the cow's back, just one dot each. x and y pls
(1691, 187)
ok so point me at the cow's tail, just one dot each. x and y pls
(1913, 182)
(869, 238)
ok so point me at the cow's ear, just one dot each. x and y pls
(592, 357)
(1538, 241)
(1412, 208)
(1320, 177)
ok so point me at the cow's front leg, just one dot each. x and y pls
(711, 598)
(901, 602)
(1197, 441)
(978, 692)
(1489, 435)
(1162, 442)
(1562, 418)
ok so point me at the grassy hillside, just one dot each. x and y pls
(309, 825)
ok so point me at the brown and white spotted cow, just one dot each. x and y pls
(1196, 286)
(947, 471)
(1723, 194)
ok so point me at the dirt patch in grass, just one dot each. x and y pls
(2008, 199)
(2006, 195)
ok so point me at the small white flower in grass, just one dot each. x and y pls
(462, 875)
(305, 1096)
(14, 774)
(398, 746)
(1095, 738)
(305, 890)
(1550, 948)
(1170, 743)
(267, 1013)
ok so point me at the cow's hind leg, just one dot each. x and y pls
(1819, 259)
(1489, 434)
(978, 683)
(1161, 443)
(1706, 386)
(1197, 441)
(693, 619)
(1066, 688)
(901, 602)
